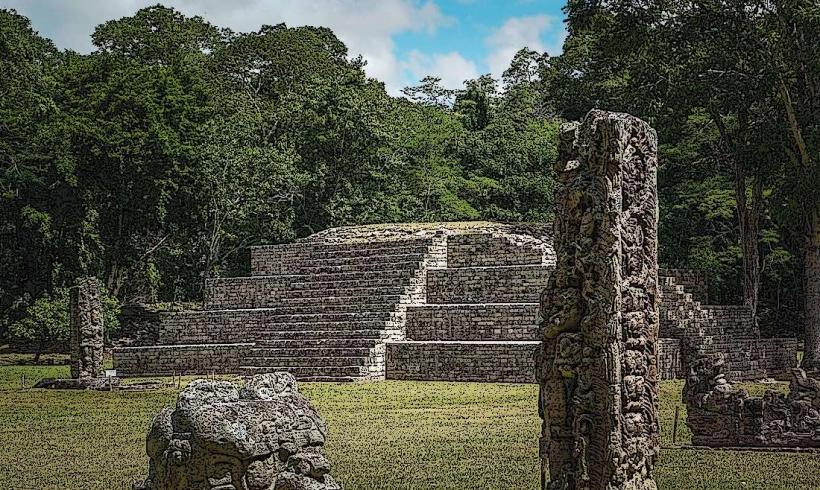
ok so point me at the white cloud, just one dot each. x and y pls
(365, 26)
(518, 32)
(451, 67)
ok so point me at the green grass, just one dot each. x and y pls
(382, 435)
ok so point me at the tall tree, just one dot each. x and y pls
(667, 61)
(31, 178)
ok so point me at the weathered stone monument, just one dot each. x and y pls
(597, 364)
(86, 321)
(721, 415)
(264, 436)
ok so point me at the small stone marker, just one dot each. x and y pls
(597, 365)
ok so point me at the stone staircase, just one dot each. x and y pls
(321, 311)
(480, 322)
(702, 328)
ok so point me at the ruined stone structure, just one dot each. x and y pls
(479, 322)
(597, 366)
(86, 322)
(264, 436)
(721, 415)
(445, 301)
(691, 327)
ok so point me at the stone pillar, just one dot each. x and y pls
(597, 363)
(86, 329)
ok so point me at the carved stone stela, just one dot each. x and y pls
(86, 322)
(597, 363)
(264, 436)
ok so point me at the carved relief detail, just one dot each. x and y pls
(597, 366)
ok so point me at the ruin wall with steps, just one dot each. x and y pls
(442, 302)
(180, 359)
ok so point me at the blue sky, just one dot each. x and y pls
(402, 40)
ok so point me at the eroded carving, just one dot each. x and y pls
(722, 415)
(86, 321)
(597, 366)
(265, 436)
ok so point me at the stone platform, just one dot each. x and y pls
(446, 301)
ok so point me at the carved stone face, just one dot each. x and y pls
(218, 438)
(223, 472)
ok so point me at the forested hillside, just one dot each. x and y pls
(156, 160)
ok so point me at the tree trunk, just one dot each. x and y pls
(748, 214)
(749, 220)
(811, 283)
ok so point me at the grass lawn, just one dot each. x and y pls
(382, 435)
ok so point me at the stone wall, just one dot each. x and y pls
(167, 360)
(514, 284)
(507, 362)
(244, 292)
(139, 325)
(473, 322)
(729, 320)
(753, 359)
(493, 250)
(670, 359)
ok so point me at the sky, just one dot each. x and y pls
(402, 40)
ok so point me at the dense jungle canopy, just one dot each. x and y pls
(156, 160)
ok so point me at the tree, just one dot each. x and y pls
(30, 178)
(666, 61)
(47, 320)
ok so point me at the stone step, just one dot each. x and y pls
(338, 292)
(326, 373)
(324, 334)
(364, 262)
(335, 268)
(303, 308)
(341, 247)
(376, 282)
(380, 301)
(324, 343)
(310, 352)
(268, 328)
(355, 276)
(309, 265)
(313, 253)
(304, 362)
(284, 315)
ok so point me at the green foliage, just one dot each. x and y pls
(46, 320)
(156, 160)
(712, 78)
